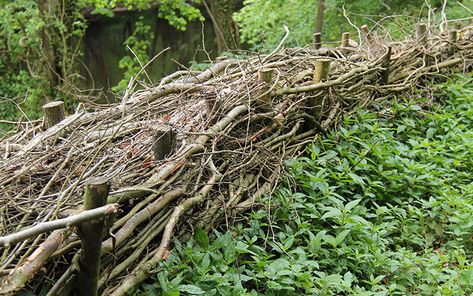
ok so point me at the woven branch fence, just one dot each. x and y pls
(191, 152)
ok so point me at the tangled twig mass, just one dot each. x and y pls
(234, 123)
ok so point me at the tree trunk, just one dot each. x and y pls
(320, 17)
(226, 32)
(48, 9)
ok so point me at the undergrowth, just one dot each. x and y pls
(383, 206)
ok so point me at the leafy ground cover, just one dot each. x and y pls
(383, 206)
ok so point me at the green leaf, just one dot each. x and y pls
(376, 280)
(357, 179)
(333, 212)
(352, 204)
(341, 236)
(205, 263)
(467, 276)
(242, 248)
(221, 241)
(430, 132)
(401, 128)
(328, 155)
(201, 238)
(191, 289)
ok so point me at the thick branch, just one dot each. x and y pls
(8, 240)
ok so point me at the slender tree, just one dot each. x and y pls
(320, 16)
(226, 31)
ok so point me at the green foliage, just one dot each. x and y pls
(177, 12)
(20, 26)
(381, 207)
(26, 34)
(138, 43)
(262, 21)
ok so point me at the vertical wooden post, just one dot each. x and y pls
(265, 76)
(421, 34)
(319, 24)
(452, 36)
(458, 27)
(422, 37)
(385, 64)
(90, 233)
(366, 36)
(345, 39)
(322, 68)
(53, 113)
(317, 40)
(315, 105)
(164, 143)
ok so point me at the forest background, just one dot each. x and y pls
(42, 41)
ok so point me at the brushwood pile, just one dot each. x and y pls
(191, 152)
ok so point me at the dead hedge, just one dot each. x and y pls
(191, 152)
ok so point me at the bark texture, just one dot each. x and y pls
(226, 31)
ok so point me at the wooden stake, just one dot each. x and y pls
(265, 75)
(458, 27)
(164, 143)
(421, 34)
(365, 30)
(452, 36)
(315, 105)
(90, 233)
(317, 40)
(345, 39)
(385, 64)
(322, 68)
(53, 113)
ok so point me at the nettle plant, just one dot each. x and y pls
(383, 206)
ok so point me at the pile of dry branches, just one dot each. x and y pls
(235, 123)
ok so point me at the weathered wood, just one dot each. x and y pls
(164, 143)
(213, 106)
(54, 113)
(90, 234)
(317, 40)
(265, 76)
(20, 276)
(322, 68)
(365, 30)
(385, 64)
(319, 25)
(453, 36)
(315, 105)
(345, 39)
(221, 59)
(421, 34)
(43, 227)
(459, 27)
